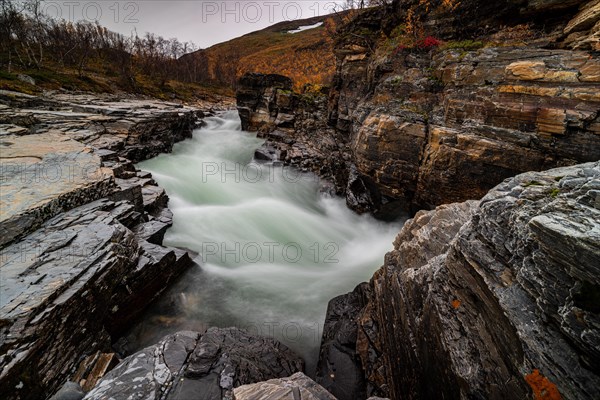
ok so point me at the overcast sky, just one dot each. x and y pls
(203, 22)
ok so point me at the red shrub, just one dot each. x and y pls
(429, 42)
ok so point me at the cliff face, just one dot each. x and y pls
(427, 125)
(295, 127)
(494, 299)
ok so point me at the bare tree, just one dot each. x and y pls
(28, 38)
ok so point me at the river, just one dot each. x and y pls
(272, 250)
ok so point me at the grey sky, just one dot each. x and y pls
(205, 22)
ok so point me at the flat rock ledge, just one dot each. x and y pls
(494, 299)
(202, 366)
(81, 228)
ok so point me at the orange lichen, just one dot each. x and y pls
(542, 388)
(455, 303)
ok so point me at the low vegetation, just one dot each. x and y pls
(305, 57)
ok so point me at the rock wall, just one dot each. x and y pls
(81, 252)
(494, 299)
(513, 88)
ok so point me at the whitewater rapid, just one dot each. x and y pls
(272, 250)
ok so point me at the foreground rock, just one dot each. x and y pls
(494, 299)
(297, 386)
(202, 366)
(413, 128)
(81, 229)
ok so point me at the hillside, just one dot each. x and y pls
(38, 52)
(53, 55)
(306, 56)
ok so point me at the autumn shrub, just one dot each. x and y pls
(429, 43)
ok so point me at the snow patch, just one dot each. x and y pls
(306, 27)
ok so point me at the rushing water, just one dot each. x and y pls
(272, 250)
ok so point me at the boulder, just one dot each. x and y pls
(339, 369)
(295, 387)
(69, 391)
(26, 79)
(207, 365)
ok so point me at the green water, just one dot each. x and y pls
(272, 250)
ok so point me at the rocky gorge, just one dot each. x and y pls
(491, 291)
(480, 299)
(492, 299)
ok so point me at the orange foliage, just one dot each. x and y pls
(542, 388)
(313, 62)
(333, 24)
(450, 5)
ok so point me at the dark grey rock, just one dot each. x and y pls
(266, 153)
(362, 194)
(81, 248)
(26, 79)
(152, 231)
(476, 296)
(339, 369)
(198, 365)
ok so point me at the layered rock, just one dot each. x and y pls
(294, 126)
(424, 126)
(258, 94)
(492, 299)
(81, 229)
(206, 365)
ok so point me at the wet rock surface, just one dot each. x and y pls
(69, 391)
(339, 369)
(484, 299)
(196, 365)
(81, 252)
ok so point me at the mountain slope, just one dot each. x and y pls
(306, 56)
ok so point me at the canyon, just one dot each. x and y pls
(487, 133)
(479, 299)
